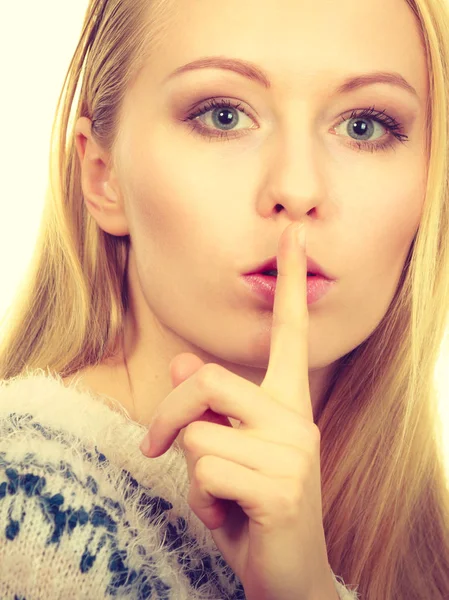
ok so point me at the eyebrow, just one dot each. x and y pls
(255, 73)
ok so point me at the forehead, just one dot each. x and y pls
(300, 44)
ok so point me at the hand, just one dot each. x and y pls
(257, 486)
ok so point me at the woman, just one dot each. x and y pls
(186, 155)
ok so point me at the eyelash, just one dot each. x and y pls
(392, 125)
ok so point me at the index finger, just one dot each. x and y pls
(287, 376)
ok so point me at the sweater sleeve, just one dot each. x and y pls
(61, 535)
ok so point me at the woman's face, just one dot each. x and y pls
(203, 209)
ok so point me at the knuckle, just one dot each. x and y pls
(312, 432)
(310, 450)
(315, 435)
(191, 436)
(287, 499)
(305, 431)
(201, 471)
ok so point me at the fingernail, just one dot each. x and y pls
(145, 446)
(301, 234)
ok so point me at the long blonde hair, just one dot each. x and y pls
(385, 495)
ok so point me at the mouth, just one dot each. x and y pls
(274, 273)
(269, 269)
(263, 284)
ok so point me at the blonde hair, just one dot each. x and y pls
(385, 495)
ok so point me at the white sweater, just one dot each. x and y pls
(84, 515)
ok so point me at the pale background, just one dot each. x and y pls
(37, 40)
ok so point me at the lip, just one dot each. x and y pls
(264, 288)
(312, 267)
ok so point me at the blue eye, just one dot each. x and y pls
(223, 110)
(361, 116)
(225, 114)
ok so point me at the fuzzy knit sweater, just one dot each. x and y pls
(85, 516)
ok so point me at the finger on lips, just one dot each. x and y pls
(213, 389)
(287, 379)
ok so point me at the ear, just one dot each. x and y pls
(99, 183)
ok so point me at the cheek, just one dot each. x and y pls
(172, 212)
(379, 224)
(159, 198)
(398, 219)
(375, 251)
(176, 193)
(384, 214)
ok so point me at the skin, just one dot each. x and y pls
(201, 212)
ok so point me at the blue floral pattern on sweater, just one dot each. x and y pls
(21, 486)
